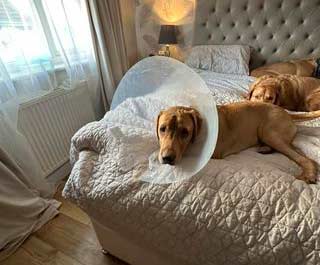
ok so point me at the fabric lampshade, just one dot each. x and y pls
(168, 34)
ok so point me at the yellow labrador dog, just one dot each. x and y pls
(304, 67)
(241, 125)
(288, 91)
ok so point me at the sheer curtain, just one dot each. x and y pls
(44, 45)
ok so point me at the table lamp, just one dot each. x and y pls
(168, 36)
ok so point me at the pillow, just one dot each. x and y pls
(226, 59)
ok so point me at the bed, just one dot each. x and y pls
(245, 209)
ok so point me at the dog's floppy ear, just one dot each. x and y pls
(255, 84)
(157, 123)
(197, 122)
(249, 95)
(277, 99)
(252, 88)
(283, 85)
(278, 93)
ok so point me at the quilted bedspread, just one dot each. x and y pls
(245, 209)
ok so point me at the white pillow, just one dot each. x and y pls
(227, 59)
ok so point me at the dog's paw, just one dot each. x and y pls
(312, 181)
(265, 149)
(309, 179)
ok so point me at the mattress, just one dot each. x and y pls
(245, 209)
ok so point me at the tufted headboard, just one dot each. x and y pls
(277, 30)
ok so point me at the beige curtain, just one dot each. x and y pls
(25, 203)
(22, 208)
(110, 45)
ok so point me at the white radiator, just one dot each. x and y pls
(50, 121)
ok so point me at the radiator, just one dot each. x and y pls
(50, 121)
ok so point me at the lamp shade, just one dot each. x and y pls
(168, 34)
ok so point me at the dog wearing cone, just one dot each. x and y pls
(241, 125)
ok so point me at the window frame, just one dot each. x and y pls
(47, 30)
(38, 4)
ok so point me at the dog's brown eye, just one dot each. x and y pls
(162, 128)
(184, 133)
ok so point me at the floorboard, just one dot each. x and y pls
(68, 239)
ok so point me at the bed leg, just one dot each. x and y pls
(104, 252)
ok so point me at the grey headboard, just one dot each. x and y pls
(277, 30)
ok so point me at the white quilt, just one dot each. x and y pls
(245, 209)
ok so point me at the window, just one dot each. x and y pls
(34, 31)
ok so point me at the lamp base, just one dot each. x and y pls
(167, 51)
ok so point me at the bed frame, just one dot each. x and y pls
(276, 30)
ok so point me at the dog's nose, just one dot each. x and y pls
(168, 159)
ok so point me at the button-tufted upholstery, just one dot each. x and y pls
(277, 30)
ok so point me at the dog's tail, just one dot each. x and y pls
(305, 116)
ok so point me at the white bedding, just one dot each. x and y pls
(245, 209)
(226, 88)
(231, 59)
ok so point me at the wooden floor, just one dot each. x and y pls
(68, 239)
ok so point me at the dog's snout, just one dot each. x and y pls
(168, 159)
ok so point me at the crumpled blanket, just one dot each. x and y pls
(245, 209)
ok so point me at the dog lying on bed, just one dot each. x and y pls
(288, 91)
(305, 67)
(241, 125)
